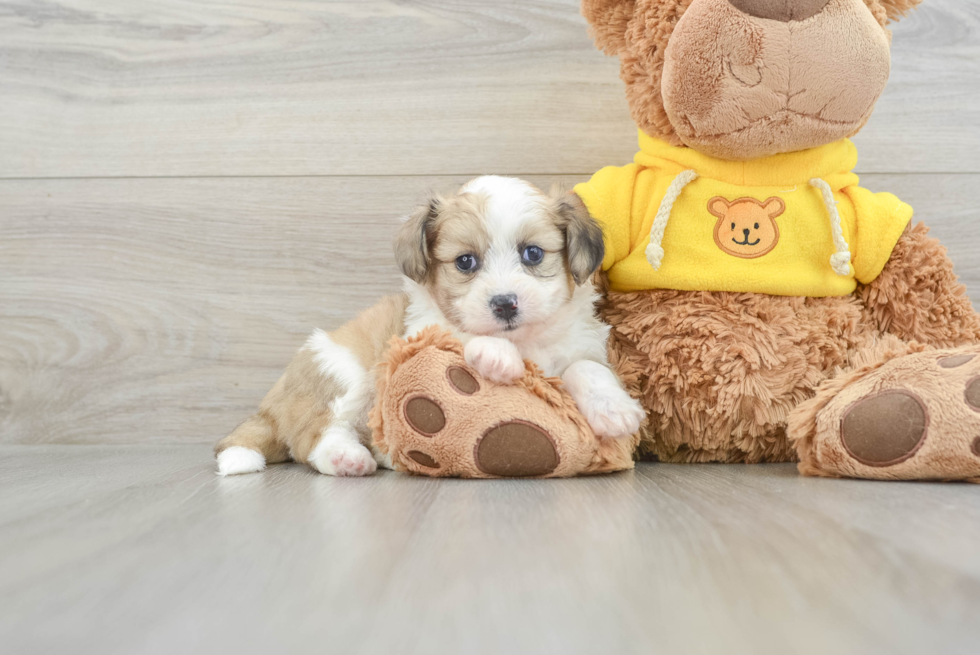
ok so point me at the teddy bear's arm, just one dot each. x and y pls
(918, 297)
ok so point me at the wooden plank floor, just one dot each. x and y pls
(144, 550)
(188, 187)
(368, 87)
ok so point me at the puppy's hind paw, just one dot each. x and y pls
(340, 454)
(238, 460)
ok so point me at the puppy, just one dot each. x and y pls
(502, 265)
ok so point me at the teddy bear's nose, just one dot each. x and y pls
(781, 10)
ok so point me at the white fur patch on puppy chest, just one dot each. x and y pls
(335, 361)
(338, 363)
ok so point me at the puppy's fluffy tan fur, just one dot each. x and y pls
(309, 398)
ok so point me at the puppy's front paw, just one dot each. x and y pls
(495, 359)
(611, 413)
(342, 455)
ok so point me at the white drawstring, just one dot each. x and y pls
(840, 260)
(655, 252)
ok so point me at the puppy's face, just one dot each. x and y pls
(500, 257)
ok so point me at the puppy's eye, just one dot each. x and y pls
(733, 226)
(532, 255)
(467, 263)
(756, 226)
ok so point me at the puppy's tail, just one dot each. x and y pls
(250, 447)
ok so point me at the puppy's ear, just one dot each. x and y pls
(412, 241)
(583, 237)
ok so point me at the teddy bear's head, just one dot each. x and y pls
(741, 79)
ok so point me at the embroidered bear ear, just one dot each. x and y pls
(774, 207)
(719, 207)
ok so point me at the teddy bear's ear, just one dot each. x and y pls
(609, 19)
(898, 8)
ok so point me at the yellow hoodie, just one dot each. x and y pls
(795, 224)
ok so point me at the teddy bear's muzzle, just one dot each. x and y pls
(744, 79)
(781, 10)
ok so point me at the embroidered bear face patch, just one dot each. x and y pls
(746, 227)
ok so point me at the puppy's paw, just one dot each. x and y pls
(495, 359)
(237, 460)
(609, 410)
(611, 413)
(340, 453)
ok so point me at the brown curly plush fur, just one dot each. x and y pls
(638, 31)
(721, 373)
(918, 296)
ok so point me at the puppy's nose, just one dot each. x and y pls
(781, 10)
(746, 233)
(504, 307)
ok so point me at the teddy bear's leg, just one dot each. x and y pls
(917, 297)
(437, 416)
(719, 373)
(904, 409)
(905, 412)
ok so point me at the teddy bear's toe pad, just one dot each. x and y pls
(885, 429)
(955, 360)
(462, 380)
(423, 459)
(425, 415)
(442, 419)
(972, 394)
(516, 449)
(438, 417)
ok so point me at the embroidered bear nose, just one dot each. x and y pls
(781, 10)
(746, 233)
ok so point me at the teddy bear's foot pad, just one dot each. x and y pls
(445, 421)
(435, 416)
(886, 428)
(915, 417)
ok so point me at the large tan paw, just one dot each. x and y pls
(915, 417)
(437, 416)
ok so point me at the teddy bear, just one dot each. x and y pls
(436, 416)
(764, 307)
